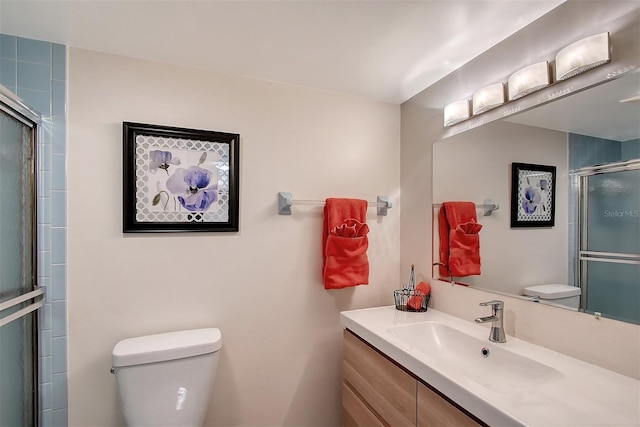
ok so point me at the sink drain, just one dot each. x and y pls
(485, 352)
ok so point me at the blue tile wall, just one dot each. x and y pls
(37, 72)
(631, 149)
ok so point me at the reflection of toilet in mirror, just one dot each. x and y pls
(556, 294)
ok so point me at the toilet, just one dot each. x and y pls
(166, 379)
(556, 294)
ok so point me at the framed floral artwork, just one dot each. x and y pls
(533, 194)
(178, 180)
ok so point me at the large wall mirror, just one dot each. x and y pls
(593, 139)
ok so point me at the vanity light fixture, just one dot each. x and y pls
(456, 112)
(583, 55)
(488, 97)
(529, 79)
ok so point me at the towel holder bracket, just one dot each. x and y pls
(285, 200)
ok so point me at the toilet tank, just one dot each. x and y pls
(167, 379)
(556, 294)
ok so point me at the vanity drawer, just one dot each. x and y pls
(354, 412)
(381, 385)
(436, 411)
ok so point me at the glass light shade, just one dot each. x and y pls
(528, 79)
(456, 112)
(488, 97)
(583, 55)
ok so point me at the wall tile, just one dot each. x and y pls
(59, 400)
(58, 247)
(59, 351)
(59, 417)
(8, 46)
(45, 395)
(34, 76)
(34, 51)
(44, 237)
(58, 98)
(58, 62)
(58, 208)
(58, 328)
(45, 369)
(8, 72)
(45, 342)
(44, 210)
(59, 174)
(59, 139)
(44, 181)
(58, 282)
(45, 418)
(45, 325)
(44, 156)
(44, 263)
(39, 100)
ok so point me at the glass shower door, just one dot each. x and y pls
(610, 241)
(19, 298)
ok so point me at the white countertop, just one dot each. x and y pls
(584, 395)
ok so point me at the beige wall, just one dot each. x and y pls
(476, 165)
(281, 357)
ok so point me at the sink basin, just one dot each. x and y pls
(462, 355)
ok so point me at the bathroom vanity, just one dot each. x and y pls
(426, 369)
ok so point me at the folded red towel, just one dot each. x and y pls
(459, 239)
(416, 301)
(345, 243)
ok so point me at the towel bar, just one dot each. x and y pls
(285, 200)
(487, 205)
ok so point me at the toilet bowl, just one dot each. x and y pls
(167, 379)
(556, 294)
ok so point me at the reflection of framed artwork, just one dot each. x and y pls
(177, 179)
(533, 194)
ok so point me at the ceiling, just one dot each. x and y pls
(387, 50)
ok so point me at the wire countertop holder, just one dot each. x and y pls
(407, 299)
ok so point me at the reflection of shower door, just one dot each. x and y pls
(609, 270)
(18, 296)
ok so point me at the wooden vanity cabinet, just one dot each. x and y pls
(381, 386)
(376, 391)
(436, 411)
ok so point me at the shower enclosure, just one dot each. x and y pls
(608, 247)
(20, 297)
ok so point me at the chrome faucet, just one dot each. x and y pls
(497, 324)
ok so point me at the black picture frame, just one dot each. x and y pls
(533, 195)
(179, 180)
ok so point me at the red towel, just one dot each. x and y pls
(345, 243)
(417, 300)
(459, 239)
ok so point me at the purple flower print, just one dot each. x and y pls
(161, 160)
(193, 187)
(531, 200)
(543, 184)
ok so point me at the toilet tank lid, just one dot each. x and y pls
(166, 346)
(552, 291)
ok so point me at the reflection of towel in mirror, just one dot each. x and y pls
(459, 239)
(345, 243)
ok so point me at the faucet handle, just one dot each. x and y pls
(495, 304)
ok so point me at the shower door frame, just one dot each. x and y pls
(34, 298)
(581, 177)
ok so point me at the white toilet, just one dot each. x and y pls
(167, 379)
(556, 294)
